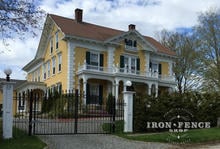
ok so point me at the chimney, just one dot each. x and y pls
(131, 27)
(78, 15)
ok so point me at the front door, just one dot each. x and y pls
(94, 94)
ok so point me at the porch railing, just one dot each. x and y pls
(126, 71)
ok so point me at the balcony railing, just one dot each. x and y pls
(125, 71)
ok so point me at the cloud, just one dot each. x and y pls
(149, 16)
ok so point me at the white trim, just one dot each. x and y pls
(110, 57)
(35, 68)
(70, 65)
(147, 61)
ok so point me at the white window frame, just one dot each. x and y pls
(59, 62)
(154, 66)
(97, 60)
(128, 67)
(57, 39)
(48, 69)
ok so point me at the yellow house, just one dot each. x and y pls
(97, 60)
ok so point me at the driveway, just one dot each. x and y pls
(98, 141)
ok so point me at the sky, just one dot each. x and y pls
(149, 16)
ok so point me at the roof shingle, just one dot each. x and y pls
(96, 32)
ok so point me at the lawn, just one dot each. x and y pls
(189, 137)
(20, 141)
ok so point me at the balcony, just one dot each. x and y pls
(116, 71)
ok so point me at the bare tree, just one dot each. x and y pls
(207, 33)
(19, 17)
(185, 64)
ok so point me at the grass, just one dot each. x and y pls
(20, 140)
(189, 137)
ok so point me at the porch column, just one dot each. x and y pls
(78, 86)
(156, 90)
(113, 89)
(124, 86)
(110, 56)
(84, 90)
(149, 89)
(116, 91)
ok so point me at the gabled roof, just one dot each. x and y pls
(83, 29)
(95, 32)
(159, 46)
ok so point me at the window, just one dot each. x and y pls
(131, 43)
(94, 60)
(129, 64)
(59, 62)
(154, 67)
(48, 69)
(53, 65)
(51, 45)
(57, 40)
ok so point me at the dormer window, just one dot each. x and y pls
(130, 45)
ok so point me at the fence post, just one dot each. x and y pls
(30, 114)
(113, 114)
(128, 111)
(7, 109)
(76, 110)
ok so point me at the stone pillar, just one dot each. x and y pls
(7, 109)
(128, 111)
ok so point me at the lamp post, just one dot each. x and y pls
(7, 105)
(128, 108)
(8, 72)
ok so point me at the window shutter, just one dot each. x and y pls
(160, 69)
(122, 64)
(100, 94)
(101, 60)
(88, 57)
(138, 64)
(87, 93)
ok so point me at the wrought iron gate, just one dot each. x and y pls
(45, 114)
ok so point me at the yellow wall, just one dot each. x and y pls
(121, 50)
(80, 57)
(165, 70)
(58, 77)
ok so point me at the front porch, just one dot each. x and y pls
(96, 88)
(116, 70)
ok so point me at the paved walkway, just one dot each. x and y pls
(102, 141)
(96, 141)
